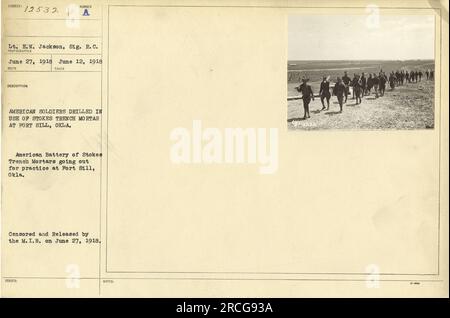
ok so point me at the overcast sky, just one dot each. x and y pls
(351, 37)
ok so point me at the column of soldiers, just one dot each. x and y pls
(362, 86)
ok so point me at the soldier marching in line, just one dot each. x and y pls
(363, 84)
(307, 95)
(369, 84)
(357, 89)
(325, 93)
(382, 84)
(339, 90)
(397, 77)
(392, 80)
(376, 82)
(346, 80)
(354, 83)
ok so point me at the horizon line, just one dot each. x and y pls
(414, 59)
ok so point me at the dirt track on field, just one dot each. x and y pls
(410, 106)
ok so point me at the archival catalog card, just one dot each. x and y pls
(224, 148)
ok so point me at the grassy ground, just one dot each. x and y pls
(410, 106)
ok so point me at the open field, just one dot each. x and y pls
(410, 106)
(315, 70)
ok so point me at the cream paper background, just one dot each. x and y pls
(340, 203)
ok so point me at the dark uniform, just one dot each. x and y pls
(325, 93)
(383, 81)
(354, 83)
(369, 84)
(346, 80)
(363, 85)
(357, 90)
(339, 90)
(392, 80)
(307, 93)
(398, 78)
(376, 82)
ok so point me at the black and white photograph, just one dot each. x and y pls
(361, 72)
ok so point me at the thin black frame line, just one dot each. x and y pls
(226, 279)
(64, 54)
(101, 165)
(440, 137)
(281, 7)
(107, 146)
(52, 19)
(6, 71)
(270, 273)
(54, 36)
(262, 7)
